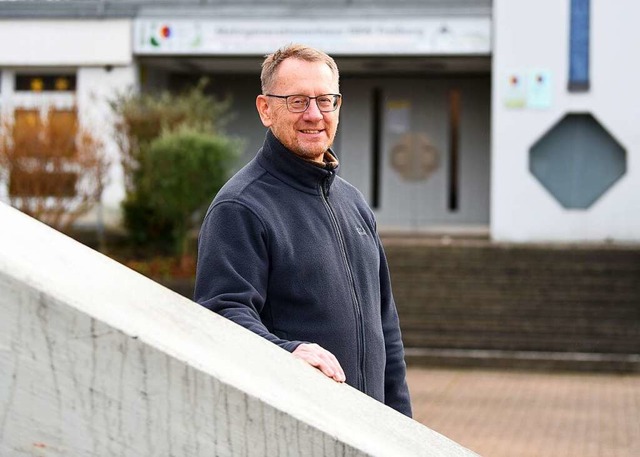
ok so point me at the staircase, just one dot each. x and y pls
(476, 303)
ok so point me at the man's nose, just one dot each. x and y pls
(313, 113)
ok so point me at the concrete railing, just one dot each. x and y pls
(97, 360)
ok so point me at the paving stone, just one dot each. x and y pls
(499, 413)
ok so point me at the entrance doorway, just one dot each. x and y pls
(418, 149)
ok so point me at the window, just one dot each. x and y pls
(39, 150)
(577, 161)
(45, 82)
(579, 46)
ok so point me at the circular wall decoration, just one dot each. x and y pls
(415, 157)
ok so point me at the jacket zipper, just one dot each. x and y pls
(362, 383)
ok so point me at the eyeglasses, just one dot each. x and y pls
(300, 103)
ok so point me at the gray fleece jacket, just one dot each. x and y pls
(289, 250)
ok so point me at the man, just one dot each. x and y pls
(290, 251)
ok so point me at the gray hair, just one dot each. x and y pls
(296, 51)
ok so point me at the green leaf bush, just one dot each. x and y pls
(168, 175)
(180, 174)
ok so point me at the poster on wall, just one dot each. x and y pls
(398, 119)
(515, 90)
(528, 89)
(539, 89)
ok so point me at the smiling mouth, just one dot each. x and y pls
(311, 131)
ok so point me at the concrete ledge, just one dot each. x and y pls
(97, 360)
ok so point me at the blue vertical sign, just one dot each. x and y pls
(579, 46)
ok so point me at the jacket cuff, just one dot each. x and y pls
(291, 345)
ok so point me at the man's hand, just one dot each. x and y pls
(323, 360)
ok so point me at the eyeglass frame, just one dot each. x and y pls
(286, 100)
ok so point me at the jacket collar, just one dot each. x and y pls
(294, 170)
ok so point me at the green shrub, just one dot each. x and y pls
(142, 119)
(180, 174)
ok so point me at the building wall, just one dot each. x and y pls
(530, 36)
(96, 87)
(65, 42)
(105, 54)
(527, 37)
(99, 52)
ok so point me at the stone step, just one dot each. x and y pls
(512, 302)
(506, 341)
(527, 360)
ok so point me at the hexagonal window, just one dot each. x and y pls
(577, 160)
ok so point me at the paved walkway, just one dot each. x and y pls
(521, 414)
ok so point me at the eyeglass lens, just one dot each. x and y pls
(300, 103)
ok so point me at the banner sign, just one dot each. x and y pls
(429, 36)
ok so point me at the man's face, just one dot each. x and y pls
(308, 134)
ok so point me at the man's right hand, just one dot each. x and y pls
(323, 360)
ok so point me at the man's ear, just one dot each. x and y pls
(263, 110)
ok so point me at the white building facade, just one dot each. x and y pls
(457, 117)
(534, 37)
(95, 54)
